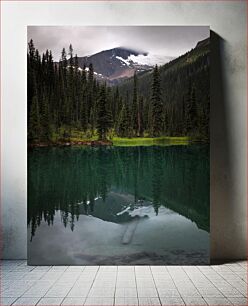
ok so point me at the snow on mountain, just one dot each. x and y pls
(123, 60)
(144, 60)
(149, 59)
(117, 64)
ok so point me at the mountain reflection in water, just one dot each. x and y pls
(148, 191)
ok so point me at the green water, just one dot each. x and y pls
(118, 205)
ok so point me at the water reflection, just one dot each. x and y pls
(111, 183)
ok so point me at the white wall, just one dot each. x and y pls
(228, 104)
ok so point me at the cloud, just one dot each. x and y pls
(162, 41)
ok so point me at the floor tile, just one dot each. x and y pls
(58, 268)
(125, 269)
(189, 292)
(209, 292)
(52, 275)
(13, 293)
(91, 269)
(7, 301)
(84, 281)
(120, 301)
(50, 301)
(106, 275)
(105, 284)
(27, 301)
(126, 292)
(102, 292)
(99, 301)
(58, 291)
(33, 276)
(217, 301)
(108, 268)
(73, 301)
(239, 301)
(79, 291)
(149, 301)
(145, 283)
(75, 269)
(230, 292)
(166, 301)
(164, 292)
(147, 292)
(126, 275)
(125, 283)
(37, 291)
(42, 268)
(194, 301)
(15, 275)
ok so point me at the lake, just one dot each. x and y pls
(118, 205)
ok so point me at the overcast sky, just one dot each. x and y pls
(161, 42)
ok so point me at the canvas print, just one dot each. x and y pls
(118, 145)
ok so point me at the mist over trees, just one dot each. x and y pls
(65, 101)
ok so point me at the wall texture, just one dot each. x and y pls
(227, 20)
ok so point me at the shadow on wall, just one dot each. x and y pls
(223, 228)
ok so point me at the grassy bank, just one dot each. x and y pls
(79, 138)
(148, 141)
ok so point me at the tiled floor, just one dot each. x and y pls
(131, 285)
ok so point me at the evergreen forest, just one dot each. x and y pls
(67, 103)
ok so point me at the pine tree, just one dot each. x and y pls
(203, 119)
(34, 128)
(70, 93)
(31, 60)
(191, 111)
(150, 118)
(64, 60)
(165, 119)
(31, 49)
(116, 105)
(135, 106)
(124, 129)
(83, 101)
(194, 107)
(90, 97)
(77, 91)
(140, 117)
(183, 117)
(45, 121)
(104, 120)
(157, 105)
(63, 111)
(207, 118)
(70, 55)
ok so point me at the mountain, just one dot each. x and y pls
(203, 43)
(115, 64)
(191, 67)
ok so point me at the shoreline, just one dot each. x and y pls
(91, 143)
(142, 141)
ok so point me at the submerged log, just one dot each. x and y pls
(129, 233)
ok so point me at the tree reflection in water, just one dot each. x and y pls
(74, 180)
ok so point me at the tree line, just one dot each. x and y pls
(64, 99)
(175, 98)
